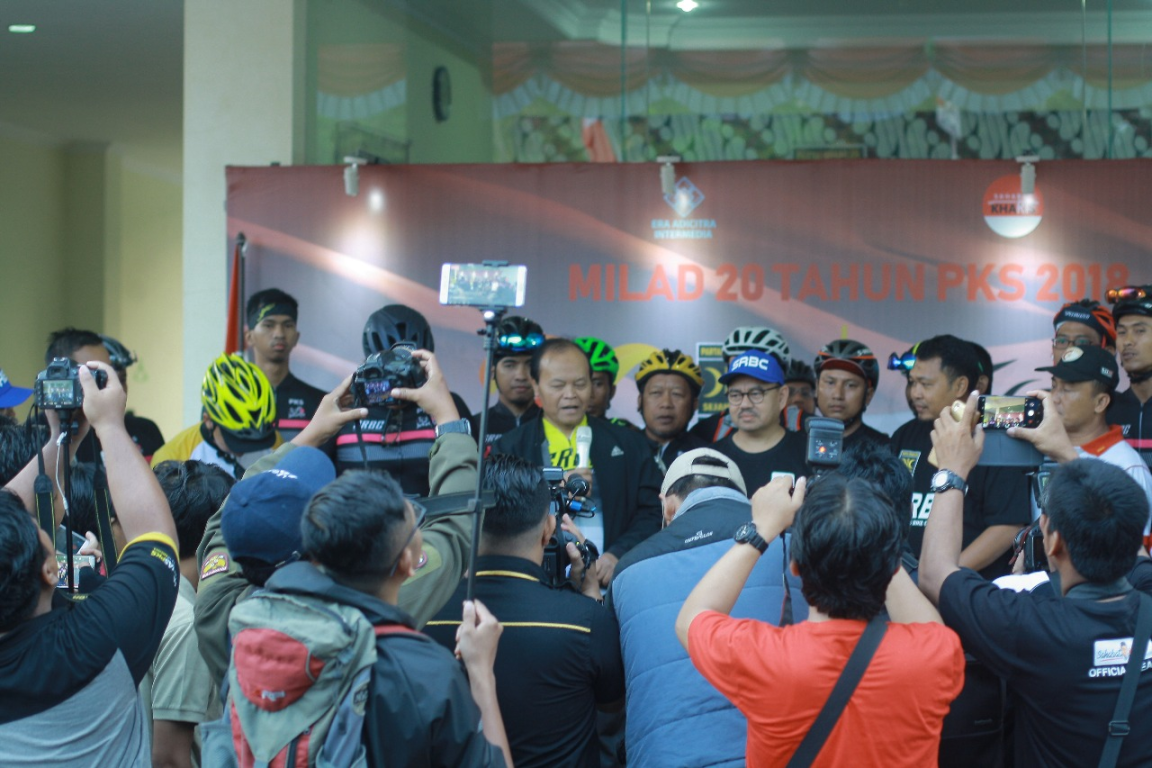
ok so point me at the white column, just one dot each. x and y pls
(243, 105)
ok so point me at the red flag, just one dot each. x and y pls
(233, 340)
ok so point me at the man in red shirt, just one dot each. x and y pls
(845, 547)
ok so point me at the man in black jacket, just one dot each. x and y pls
(624, 479)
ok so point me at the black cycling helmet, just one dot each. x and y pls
(798, 370)
(1131, 300)
(851, 356)
(517, 336)
(394, 323)
(120, 356)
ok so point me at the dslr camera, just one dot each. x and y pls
(825, 443)
(374, 380)
(556, 559)
(58, 386)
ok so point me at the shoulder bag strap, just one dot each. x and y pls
(854, 670)
(1118, 728)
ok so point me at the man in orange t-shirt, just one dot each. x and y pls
(846, 544)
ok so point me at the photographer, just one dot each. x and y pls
(446, 538)
(846, 546)
(59, 658)
(1064, 653)
(396, 440)
(559, 656)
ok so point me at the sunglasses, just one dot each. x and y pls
(1128, 293)
(515, 341)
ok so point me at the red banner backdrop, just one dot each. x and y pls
(884, 252)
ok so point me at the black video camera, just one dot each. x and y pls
(556, 559)
(374, 380)
(1029, 542)
(58, 386)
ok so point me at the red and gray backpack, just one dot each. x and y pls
(297, 685)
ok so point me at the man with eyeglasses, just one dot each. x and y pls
(1132, 408)
(516, 337)
(1083, 323)
(761, 447)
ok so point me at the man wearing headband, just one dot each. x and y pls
(1083, 323)
(1132, 409)
(271, 334)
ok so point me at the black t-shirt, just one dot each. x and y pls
(296, 404)
(51, 658)
(1063, 658)
(559, 657)
(864, 433)
(501, 421)
(396, 441)
(787, 457)
(1136, 419)
(666, 453)
(996, 495)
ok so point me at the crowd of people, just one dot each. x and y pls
(309, 578)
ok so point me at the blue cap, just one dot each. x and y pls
(261, 518)
(11, 396)
(758, 365)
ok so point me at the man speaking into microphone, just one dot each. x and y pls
(616, 462)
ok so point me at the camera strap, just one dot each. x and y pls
(104, 517)
(42, 488)
(1119, 727)
(857, 665)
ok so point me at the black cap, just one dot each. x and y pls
(1086, 364)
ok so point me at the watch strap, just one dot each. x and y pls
(459, 425)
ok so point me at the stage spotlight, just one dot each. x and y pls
(1027, 173)
(668, 174)
(352, 175)
(687, 5)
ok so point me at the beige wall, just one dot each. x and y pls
(91, 239)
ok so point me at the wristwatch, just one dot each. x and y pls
(746, 534)
(946, 480)
(460, 425)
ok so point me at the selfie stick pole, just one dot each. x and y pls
(65, 466)
(492, 317)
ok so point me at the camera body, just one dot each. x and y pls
(556, 559)
(374, 380)
(825, 443)
(58, 386)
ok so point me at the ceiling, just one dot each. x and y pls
(111, 71)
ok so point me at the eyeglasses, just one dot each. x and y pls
(1128, 293)
(421, 513)
(902, 363)
(1063, 342)
(755, 396)
(516, 342)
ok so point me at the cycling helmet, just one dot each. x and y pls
(763, 339)
(1090, 313)
(517, 336)
(238, 398)
(851, 356)
(119, 354)
(1133, 300)
(798, 370)
(670, 361)
(600, 356)
(394, 323)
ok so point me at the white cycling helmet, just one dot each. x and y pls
(761, 339)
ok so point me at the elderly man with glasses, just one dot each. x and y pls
(760, 446)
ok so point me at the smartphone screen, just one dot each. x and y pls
(1005, 411)
(483, 285)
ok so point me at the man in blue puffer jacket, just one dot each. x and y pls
(675, 716)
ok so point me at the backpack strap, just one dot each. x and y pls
(1119, 727)
(394, 629)
(857, 664)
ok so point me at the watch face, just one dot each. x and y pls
(745, 532)
(939, 479)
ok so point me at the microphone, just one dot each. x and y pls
(583, 446)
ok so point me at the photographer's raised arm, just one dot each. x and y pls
(957, 450)
(330, 417)
(434, 396)
(141, 506)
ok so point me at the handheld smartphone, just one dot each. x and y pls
(78, 562)
(490, 284)
(1005, 412)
